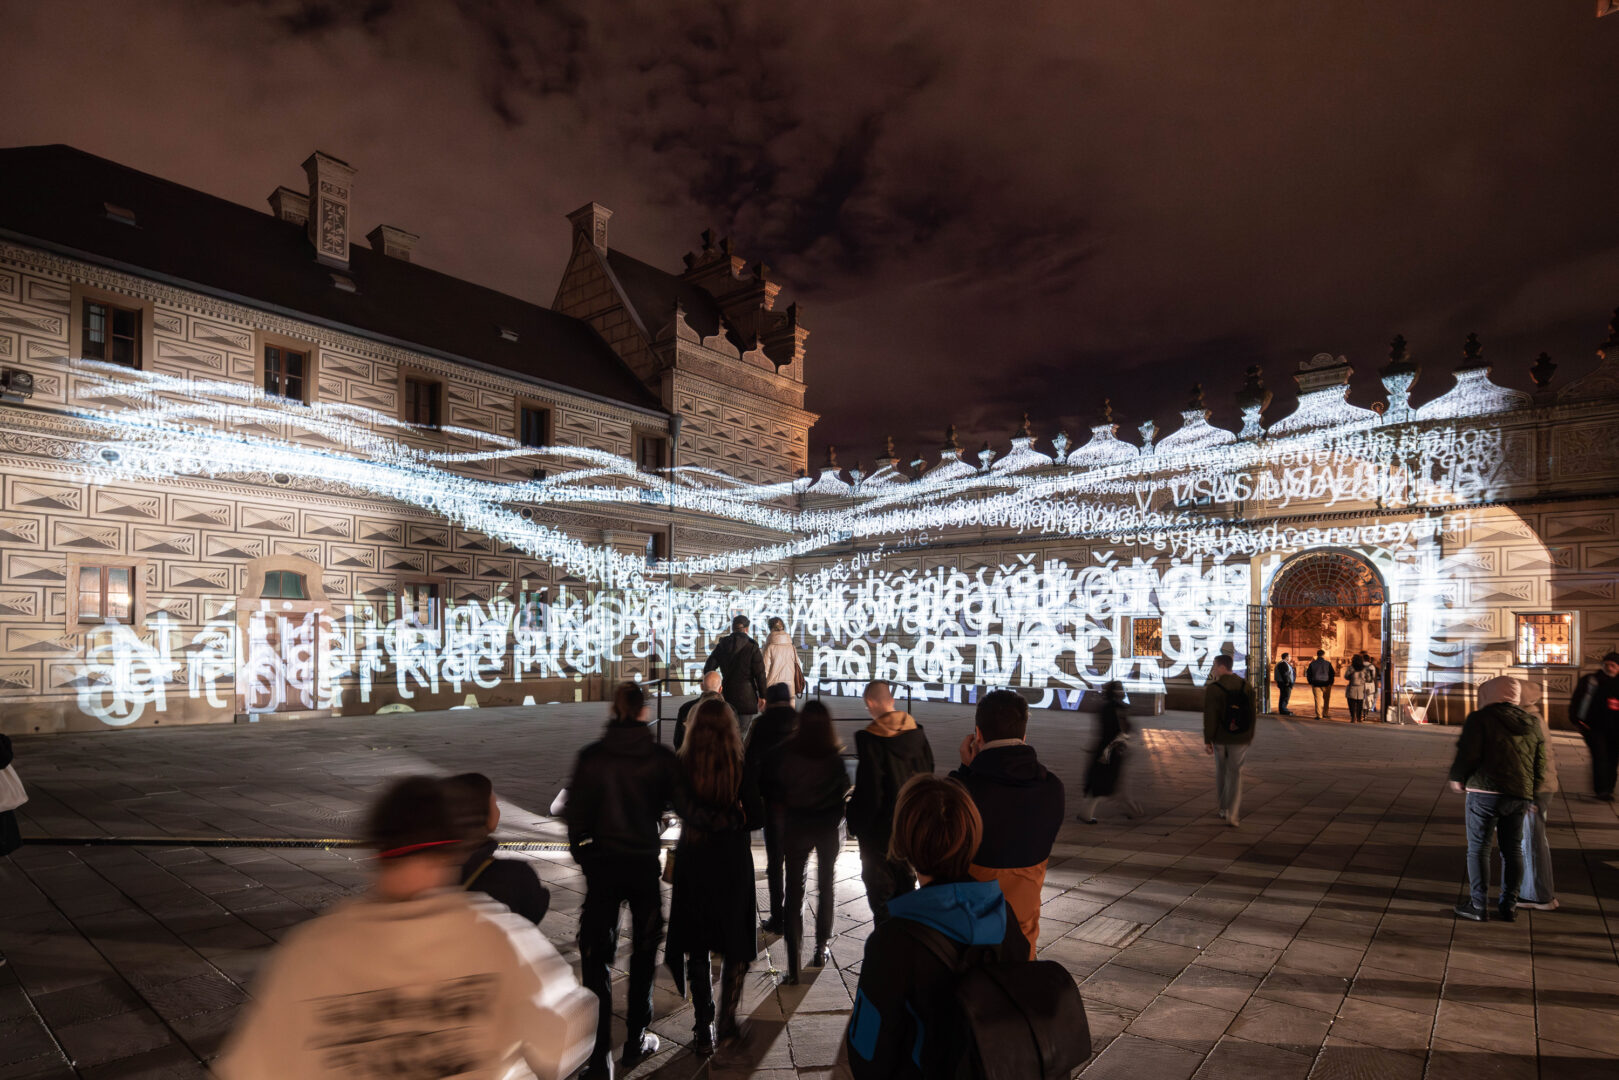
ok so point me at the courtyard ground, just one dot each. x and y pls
(1316, 940)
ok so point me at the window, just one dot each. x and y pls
(534, 426)
(111, 333)
(651, 452)
(657, 548)
(421, 402)
(1144, 636)
(1545, 639)
(284, 585)
(106, 594)
(419, 604)
(285, 371)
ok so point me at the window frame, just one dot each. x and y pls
(641, 436)
(280, 580)
(1518, 659)
(261, 362)
(410, 375)
(80, 295)
(76, 620)
(436, 626)
(526, 404)
(1127, 637)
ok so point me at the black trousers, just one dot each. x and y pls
(1284, 691)
(700, 977)
(1602, 740)
(610, 883)
(884, 879)
(774, 865)
(10, 837)
(799, 839)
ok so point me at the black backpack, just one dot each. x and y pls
(1239, 718)
(1022, 1020)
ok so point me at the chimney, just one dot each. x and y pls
(392, 242)
(289, 205)
(330, 187)
(591, 219)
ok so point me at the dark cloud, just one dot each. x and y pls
(989, 215)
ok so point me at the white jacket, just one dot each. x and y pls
(450, 983)
(781, 660)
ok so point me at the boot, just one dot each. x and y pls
(727, 1028)
(794, 950)
(822, 957)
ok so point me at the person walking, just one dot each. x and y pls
(710, 688)
(1228, 731)
(1107, 777)
(12, 795)
(1538, 890)
(1019, 802)
(781, 660)
(1321, 676)
(414, 977)
(805, 786)
(1285, 677)
(512, 882)
(890, 750)
(905, 1022)
(742, 671)
(621, 786)
(1500, 763)
(1357, 688)
(1594, 709)
(774, 726)
(712, 905)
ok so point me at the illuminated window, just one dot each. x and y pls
(1545, 639)
(284, 372)
(284, 585)
(111, 333)
(1144, 636)
(106, 594)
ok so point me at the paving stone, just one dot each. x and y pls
(1236, 1059)
(1277, 1023)
(1129, 1057)
(1489, 1029)
(1186, 1024)
(1341, 1059)
(1372, 1024)
(1216, 987)
(1124, 986)
(96, 1042)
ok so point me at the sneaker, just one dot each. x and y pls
(638, 1051)
(1507, 914)
(1550, 905)
(1468, 911)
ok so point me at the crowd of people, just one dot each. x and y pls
(440, 968)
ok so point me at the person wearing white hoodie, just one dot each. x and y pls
(781, 659)
(416, 978)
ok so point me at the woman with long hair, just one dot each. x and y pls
(805, 785)
(713, 907)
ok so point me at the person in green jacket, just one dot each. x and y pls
(1500, 763)
(1228, 730)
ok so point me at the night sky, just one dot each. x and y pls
(985, 209)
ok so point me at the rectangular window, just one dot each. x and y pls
(1545, 639)
(657, 548)
(283, 585)
(1144, 636)
(284, 372)
(106, 594)
(651, 452)
(111, 333)
(421, 402)
(419, 604)
(534, 427)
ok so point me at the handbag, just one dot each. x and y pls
(799, 682)
(12, 794)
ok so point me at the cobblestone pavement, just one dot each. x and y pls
(1316, 940)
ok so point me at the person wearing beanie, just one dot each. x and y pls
(1594, 711)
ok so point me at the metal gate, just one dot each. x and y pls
(1258, 657)
(1396, 653)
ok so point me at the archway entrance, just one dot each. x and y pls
(1332, 602)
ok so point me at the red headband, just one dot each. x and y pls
(411, 849)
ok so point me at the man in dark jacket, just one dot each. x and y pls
(1229, 713)
(621, 786)
(1021, 804)
(742, 667)
(1321, 676)
(513, 882)
(774, 727)
(1594, 710)
(1285, 678)
(1500, 763)
(891, 749)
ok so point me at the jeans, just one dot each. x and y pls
(1603, 742)
(799, 839)
(1323, 700)
(1537, 886)
(884, 879)
(1284, 693)
(611, 882)
(1502, 814)
(1228, 759)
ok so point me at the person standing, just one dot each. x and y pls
(774, 726)
(1107, 777)
(1538, 889)
(1019, 802)
(621, 786)
(891, 749)
(1356, 688)
(710, 684)
(414, 977)
(512, 882)
(711, 905)
(1594, 710)
(805, 785)
(781, 660)
(1228, 731)
(742, 672)
(1285, 677)
(1500, 763)
(1321, 676)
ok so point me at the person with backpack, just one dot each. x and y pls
(946, 979)
(1228, 730)
(891, 749)
(512, 882)
(773, 727)
(742, 672)
(1594, 710)
(1321, 676)
(1285, 678)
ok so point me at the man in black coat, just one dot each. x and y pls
(1285, 679)
(1594, 710)
(742, 668)
(774, 727)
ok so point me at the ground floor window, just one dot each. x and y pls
(1144, 636)
(1545, 639)
(106, 594)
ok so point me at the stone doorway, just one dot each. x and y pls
(1334, 602)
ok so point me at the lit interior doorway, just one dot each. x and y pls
(1332, 602)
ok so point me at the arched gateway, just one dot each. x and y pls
(1333, 601)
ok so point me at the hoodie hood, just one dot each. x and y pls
(971, 912)
(892, 723)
